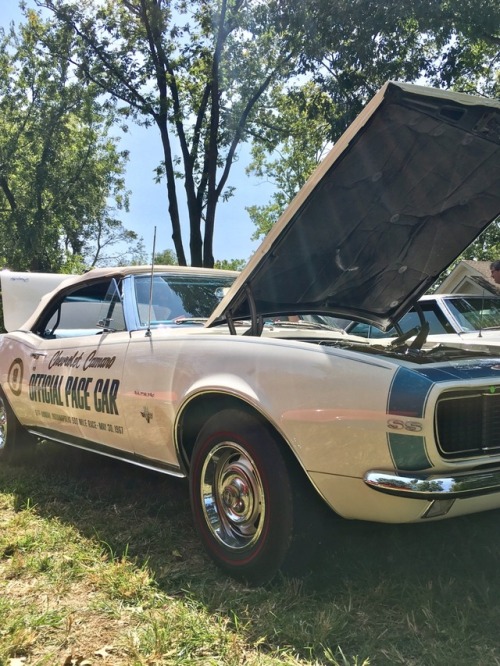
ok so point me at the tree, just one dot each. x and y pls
(206, 73)
(230, 264)
(60, 172)
(198, 70)
(352, 48)
(166, 257)
(487, 246)
(293, 139)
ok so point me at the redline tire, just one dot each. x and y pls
(242, 496)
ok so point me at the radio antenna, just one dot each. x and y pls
(150, 308)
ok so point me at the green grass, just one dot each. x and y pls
(99, 564)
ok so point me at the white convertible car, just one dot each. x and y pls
(233, 380)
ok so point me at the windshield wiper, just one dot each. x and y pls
(178, 321)
(189, 320)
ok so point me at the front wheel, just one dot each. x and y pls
(242, 496)
(14, 440)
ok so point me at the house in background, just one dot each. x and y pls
(469, 277)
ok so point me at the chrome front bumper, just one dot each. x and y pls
(435, 486)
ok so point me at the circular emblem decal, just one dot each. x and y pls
(15, 377)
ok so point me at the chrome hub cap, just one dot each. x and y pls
(232, 496)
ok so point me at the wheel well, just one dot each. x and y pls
(201, 408)
(198, 410)
(194, 415)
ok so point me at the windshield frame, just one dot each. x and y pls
(139, 318)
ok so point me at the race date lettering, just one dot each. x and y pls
(77, 392)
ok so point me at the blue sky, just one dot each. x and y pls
(149, 206)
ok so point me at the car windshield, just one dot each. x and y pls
(177, 298)
(475, 314)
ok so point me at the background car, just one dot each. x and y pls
(451, 317)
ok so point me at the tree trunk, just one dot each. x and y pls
(173, 207)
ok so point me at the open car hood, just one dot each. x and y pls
(403, 192)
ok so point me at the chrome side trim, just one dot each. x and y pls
(434, 486)
(109, 452)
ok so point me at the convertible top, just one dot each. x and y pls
(25, 294)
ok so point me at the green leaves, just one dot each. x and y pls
(197, 69)
(287, 76)
(61, 175)
(349, 50)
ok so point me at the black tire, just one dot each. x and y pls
(242, 496)
(15, 442)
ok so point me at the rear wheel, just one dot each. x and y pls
(242, 495)
(15, 442)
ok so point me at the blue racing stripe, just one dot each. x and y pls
(470, 369)
(410, 388)
(408, 393)
(408, 452)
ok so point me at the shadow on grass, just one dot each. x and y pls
(147, 515)
(399, 590)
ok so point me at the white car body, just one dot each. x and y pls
(262, 416)
(467, 330)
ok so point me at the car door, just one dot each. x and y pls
(77, 368)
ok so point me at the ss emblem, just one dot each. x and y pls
(400, 424)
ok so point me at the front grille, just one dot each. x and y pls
(468, 424)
